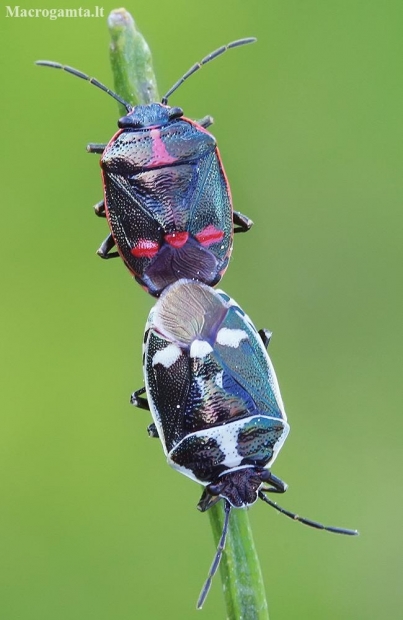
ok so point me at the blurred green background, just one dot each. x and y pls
(94, 524)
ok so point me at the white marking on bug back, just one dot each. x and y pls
(218, 379)
(227, 439)
(231, 337)
(168, 356)
(200, 348)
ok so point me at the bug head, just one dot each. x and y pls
(239, 487)
(151, 115)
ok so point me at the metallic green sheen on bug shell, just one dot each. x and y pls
(212, 390)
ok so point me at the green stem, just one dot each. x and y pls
(241, 576)
(240, 570)
(131, 61)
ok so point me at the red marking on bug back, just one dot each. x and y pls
(145, 248)
(209, 235)
(177, 239)
(160, 155)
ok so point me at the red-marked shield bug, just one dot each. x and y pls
(166, 195)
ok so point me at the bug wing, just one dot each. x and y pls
(167, 383)
(211, 211)
(129, 220)
(246, 365)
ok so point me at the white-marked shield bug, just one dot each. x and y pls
(215, 400)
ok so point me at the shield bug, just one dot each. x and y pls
(215, 401)
(166, 195)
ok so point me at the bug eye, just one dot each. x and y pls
(129, 121)
(175, 113)
(265, 475)
(215, 489)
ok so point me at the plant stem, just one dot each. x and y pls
(131, 61)
(241, 576)
(240, 570)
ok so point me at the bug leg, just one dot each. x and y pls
(152, 431)
(99, 209)
(265, 335)
(141, 402)
(241, 222)
(206, 121)
(105, 250)
(95, 147)
(138, 400)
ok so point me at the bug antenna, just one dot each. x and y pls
(318, 526)
(205, 60)
(83, 76)
(217, 557)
